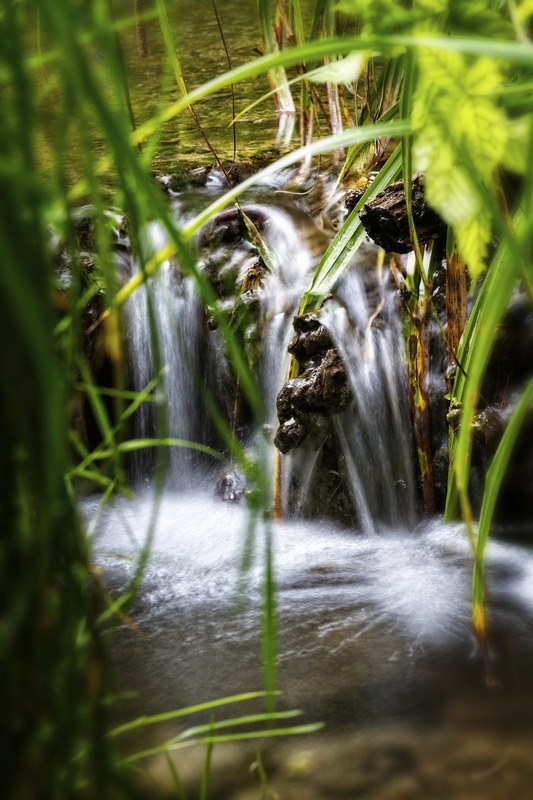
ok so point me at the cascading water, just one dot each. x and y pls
(279, 302)
(166, 318)
(163, 322)
(374, 432)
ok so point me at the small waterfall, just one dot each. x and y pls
(374, 432)
(293, 263)
(165, 314)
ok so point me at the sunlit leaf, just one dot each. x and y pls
(473, 237)
(347, 70)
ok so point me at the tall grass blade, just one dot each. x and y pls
(276, 75)
(474, 353)
(167, 716)
(207, 762)
(348, 239)
(176, 780)
(493, 482)
(269, 632)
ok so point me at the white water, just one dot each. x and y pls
(374, 433)
(163, 325)
(355, 611)
(418, 582)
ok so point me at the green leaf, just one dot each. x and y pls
(432, 6)
(461, 135)
(347, 241)
(347, 70)
(447, 187)
(473, 238)
(515, 156)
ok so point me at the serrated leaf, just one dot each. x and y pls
(381, 16)
(473, 238)
(516, 153)
(524, 10)
(478, 18)
(448, 188)
(460, 137)
(440, 70)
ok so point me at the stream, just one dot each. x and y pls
(374, 611)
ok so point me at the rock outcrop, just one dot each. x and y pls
(320, 389)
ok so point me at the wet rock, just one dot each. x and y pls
(199, 175)
(290, 434)
(488, 427)
(85, 223)
(311, 337)
(231, 486)
(353, 197)
(510, 367)
(167, 185)
(385, 218)
(321, 389)
(306, 401)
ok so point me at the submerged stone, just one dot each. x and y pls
(231, 486)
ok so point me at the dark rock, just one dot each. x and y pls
(290, 434)
(353, 197)
(488, 427)
(385, 218)
(306, 401)
(311, 337)
(85, 222)
(321, 389)
(199, 176)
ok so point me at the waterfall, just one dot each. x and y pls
(374, 433)
(164, 324)
(167, 327)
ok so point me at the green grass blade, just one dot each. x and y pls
(142, 722)
(347, 240)
(132, 445)
(296, 730)
(269, 628)
(474, 353)
(204, 786)
(493, 482)
(176, 780)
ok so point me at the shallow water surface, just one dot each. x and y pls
(374, 630)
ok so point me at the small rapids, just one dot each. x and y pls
(386, 606)
(396, 591)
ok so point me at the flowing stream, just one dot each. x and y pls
(374, 619)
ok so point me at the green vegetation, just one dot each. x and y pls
(443, 84)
